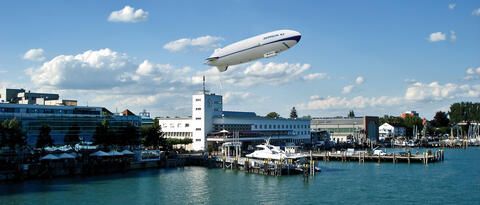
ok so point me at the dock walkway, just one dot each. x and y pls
(361, 157)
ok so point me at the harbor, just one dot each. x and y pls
(452, 181)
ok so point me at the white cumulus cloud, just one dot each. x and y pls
(472, 73)
(256, 73)
(203, 42)
(347, 89)
(359, 80)
(435, 91)
(452, 6)
(128, 15)
(315, 76)
(34, 54)
(437, 36)
(236, 97)
(476, 12)
(102, 68)
(453, 36)
(317, 103)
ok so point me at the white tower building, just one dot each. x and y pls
(205, 107)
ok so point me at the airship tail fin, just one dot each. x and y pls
(222, 68)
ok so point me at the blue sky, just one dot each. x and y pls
(373, 57)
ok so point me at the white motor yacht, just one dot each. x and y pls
(268, 151)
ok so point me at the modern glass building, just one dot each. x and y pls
(60, 118)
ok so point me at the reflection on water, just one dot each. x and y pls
(456, 181)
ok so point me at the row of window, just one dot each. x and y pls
(281, 126)
(172, 125)
(50, 111)
(178, 134)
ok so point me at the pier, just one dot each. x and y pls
(263, 167)
(362, 156)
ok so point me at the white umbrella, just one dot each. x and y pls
(100, 154)
(127, 152)
(49, 157)
(115, 153)
(66, 156)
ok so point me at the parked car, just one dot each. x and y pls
(379, 152)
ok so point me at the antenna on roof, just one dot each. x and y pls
(204, 92)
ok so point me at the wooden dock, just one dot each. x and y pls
(361, 157)
(263, 167)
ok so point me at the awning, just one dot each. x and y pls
(115, 153)
(100, 154)
(127, 152)
(66, 156)
(49, 157)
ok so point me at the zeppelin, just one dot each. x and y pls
(262, 46)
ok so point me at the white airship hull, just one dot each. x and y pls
(261, 46)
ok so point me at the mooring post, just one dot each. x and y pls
(394, 158)
(408, 156)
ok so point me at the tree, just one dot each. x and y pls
(293, 113)
(410, 123)
(392, 120)
(440, 119)
(11, 134)
(72, 136)
(128, 135)
(153, 136)
(272, 115)
(102, 135)
(44, 138)
(174, 141)
(351, 114)
(464, 112)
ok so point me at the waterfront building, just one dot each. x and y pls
(146, 119)
(386, 130)
(348, 129)
(20, 96)
(210, 125)
(60, 118)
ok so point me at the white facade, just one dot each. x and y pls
(298, 129)
(204, 108)
(177, 127)
(387, 130)
(208, 117)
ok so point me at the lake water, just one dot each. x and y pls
(454, 181)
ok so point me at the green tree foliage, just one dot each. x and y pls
(174, 141)
(392, 120)
(153, 136)
(72, 136)
(102, 135)
(293, 113)
(440, 119)
(464, 112)
(44, 138)
(272, 115)
(410, 122)
(351, 114)
(11, 134)
(127, 135)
